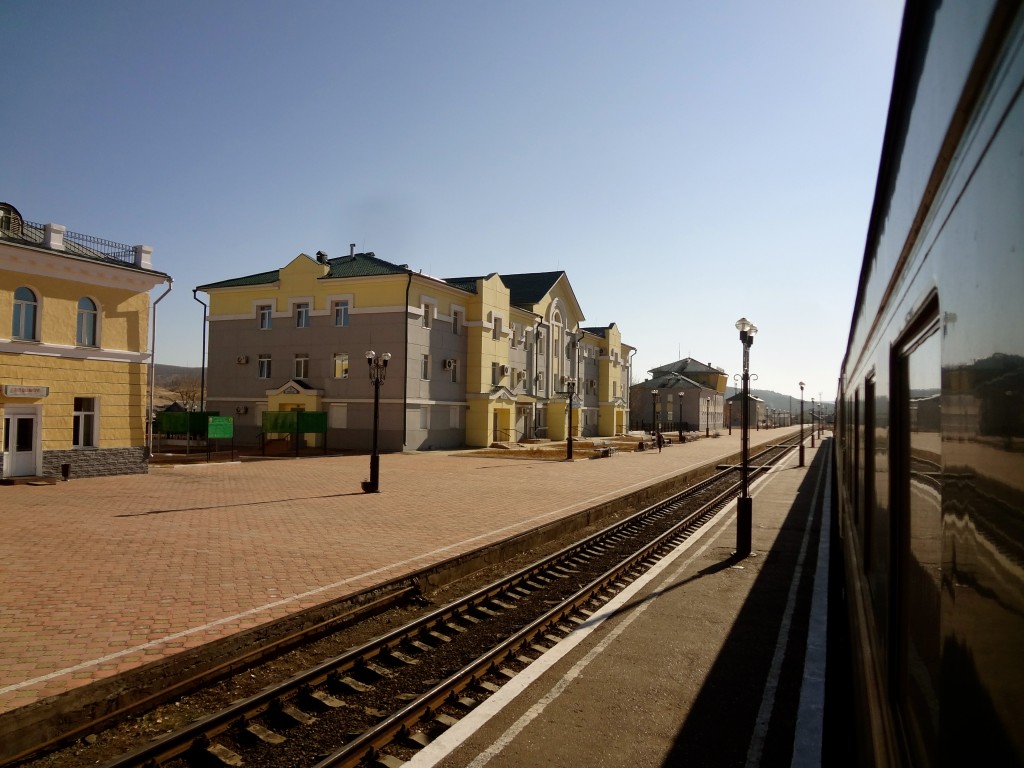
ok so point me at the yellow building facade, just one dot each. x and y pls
(474, 360)
(73, 351)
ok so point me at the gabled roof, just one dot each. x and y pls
(356, 265)
(525, 289)
(530, 288)
(686, 365)
(671, 380)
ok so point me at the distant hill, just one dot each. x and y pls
(166, 374)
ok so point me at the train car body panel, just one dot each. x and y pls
(930, 440)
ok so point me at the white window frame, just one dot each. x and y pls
(428, 310)
(425, 368)
(340, 309)
(301, 366)
(265, 316)
(25, 309)
(341, 358)
(264, 366)
(302, 314)
(85, 318)
(85, 423)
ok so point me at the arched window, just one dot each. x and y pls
(87, 314)
(24, 325)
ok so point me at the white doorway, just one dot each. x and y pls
(21, 443)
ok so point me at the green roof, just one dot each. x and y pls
(356, 265)
(524, 290)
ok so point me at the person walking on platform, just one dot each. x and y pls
(661, 441)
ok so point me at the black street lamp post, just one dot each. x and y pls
(745, 505)
(378, 365)
(707, 417)
(570, 385)
(654, 412)
(812, 422)
(801, 423)
(681, 393)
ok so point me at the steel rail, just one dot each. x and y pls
(201, 731)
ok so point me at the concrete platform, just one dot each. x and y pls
(103, 576)
(709, 660)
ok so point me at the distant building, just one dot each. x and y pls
(73, 350)
(756, 406)
(475, 360)
(689, 397)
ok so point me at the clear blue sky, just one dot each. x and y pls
(685, 162)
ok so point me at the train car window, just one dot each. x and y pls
(868, 491)
(916, 545)
(857, 463)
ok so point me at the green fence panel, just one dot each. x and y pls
(279, 422)
(312, 421)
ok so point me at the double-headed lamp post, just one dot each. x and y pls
(801, 423)
(654, 412)
(570, 386)
(745, 505)
(707, 417)
(378, 365)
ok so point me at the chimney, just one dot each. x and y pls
(321, 257)
(351, 250)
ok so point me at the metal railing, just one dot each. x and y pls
(74, 242)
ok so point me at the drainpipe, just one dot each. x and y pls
(405, 368)
(629, 390)
(152, 371)
(202, 375)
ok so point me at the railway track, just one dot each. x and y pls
(381, 701)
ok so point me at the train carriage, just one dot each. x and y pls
(930, 432)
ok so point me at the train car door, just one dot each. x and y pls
(21, 443)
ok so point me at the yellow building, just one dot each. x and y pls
(73, 351)
(474, 360)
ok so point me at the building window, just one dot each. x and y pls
(426, 315)
(263, 367)
(425, 417)
(87, 315)
(341, 365)
(302, 366)
(25, 309)
(84, 425)
(456, 322)
(341, 313)
(496, 330)
(425, 370)
(302, 315)
(338, 415)
(264, 312)
(540, 343)
(454, 421)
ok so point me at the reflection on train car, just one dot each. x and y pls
(930, 428)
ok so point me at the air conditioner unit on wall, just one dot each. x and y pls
(240, 409)
(449, 364)
(242, 359)
(504, 370)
